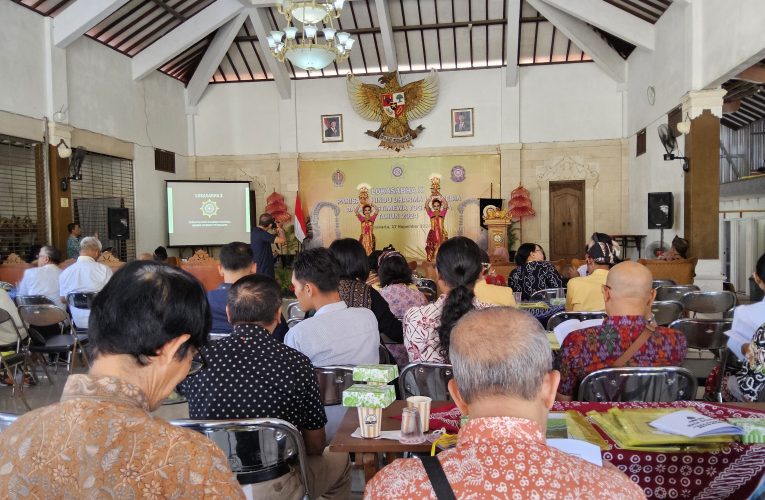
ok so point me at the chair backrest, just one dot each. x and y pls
(559, 317)
(649, 384)
(674, 292)
(666, 311)
(6, 419)
(425, 379)
(292, 322)
(294, 311)
(386, 358)
(703, 333)
(333, 380)
(709, 302)
(549, 293)
(257, 449)
(658, 283)
(213, 336)
(81, 300)
(32, 300)
(42, 315)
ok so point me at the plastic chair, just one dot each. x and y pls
(658, 283)
(277, 441)
(333, 380)
(703, 334)
(674, 292)
(559, 317)
(63, 343)
(649, 384)
(548, 294)
(11, 362)
(709, 302)
(6, 419)
(426, 379)
(32, 300)
(667, 311)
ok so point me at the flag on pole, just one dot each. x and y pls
(300, 228)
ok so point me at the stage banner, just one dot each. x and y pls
(399, 188)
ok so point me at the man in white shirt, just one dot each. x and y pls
(43, 279)
(84, 276)
(336, 334)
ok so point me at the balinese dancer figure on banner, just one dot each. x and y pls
(366, 212)
(436, 207)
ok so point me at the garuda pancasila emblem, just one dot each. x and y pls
(393, 106)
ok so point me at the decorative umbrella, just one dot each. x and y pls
(277, 208)
(519, 206)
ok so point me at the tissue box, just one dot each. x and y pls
(381, 374)
(754, 429)
(369, 396)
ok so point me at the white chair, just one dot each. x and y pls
(258, 449)
(650, 384)
(426, 379)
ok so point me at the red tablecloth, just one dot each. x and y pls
(733, 472)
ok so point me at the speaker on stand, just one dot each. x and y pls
(660, 212)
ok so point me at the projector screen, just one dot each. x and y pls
(207, 213)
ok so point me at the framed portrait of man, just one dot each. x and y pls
(331, 128)
(462, 122)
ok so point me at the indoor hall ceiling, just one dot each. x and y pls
(745, 101)
(427, 34)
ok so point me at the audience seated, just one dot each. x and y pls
(336, 334)
(745, 383)
(427, 328)
(374, 262)
(101, 439)
(160, 254)
(628, 296)
(534, 271)
(8, 335)
(492, 293)
(583, 293)
(85, 275)
(252, 375)
(504, 381)
(43, 279)
(396, 282)
(354, 271)
(678, 250)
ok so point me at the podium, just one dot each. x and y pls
(497, 224)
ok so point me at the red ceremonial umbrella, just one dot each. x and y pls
(519, 206)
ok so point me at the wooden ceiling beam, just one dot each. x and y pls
(80, 17)
(386, 33)
(176, 41)
(754, 74)
(512, 37)
(217, 49)
(258, 20)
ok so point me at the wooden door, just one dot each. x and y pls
(566, 220)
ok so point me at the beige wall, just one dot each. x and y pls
(602, 164)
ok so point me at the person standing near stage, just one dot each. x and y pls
(261, 240)
(367, 215)
(73, 242)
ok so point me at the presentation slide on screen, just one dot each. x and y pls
(207, 213)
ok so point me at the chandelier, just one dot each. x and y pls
(309, 51)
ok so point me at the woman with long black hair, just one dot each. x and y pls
(427, 329)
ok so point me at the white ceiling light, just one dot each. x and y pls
(309, 51)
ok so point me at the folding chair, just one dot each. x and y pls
(32, 300)
(559, 317)
(548, 294)
(63, 343)
(674, 292)
(649, 384)
(709, 302)
(10, 362)
(333, 380)
(7, 419)
(658, 283)
(294, 311)
(258, 449)
(667, 311)
(426, 379)
(428, 288)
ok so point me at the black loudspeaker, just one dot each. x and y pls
(119, 223)
(660, 213)
(485, 202)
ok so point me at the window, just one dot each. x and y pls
(640, 143)
(164, 161)
(23, 218)
(107, 182)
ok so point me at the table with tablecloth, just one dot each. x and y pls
(734, 471)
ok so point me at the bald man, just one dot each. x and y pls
(628, 296)
(503, 379)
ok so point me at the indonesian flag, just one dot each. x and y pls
(300, 228)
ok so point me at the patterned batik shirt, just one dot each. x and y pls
(250, 374)
(504, 457)
(401, 297)
(101, 441)
(534, 276)
(585, 351)
(421, 331)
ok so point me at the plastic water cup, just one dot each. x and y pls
(517, 297)
(422, 403)
(411, 427)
